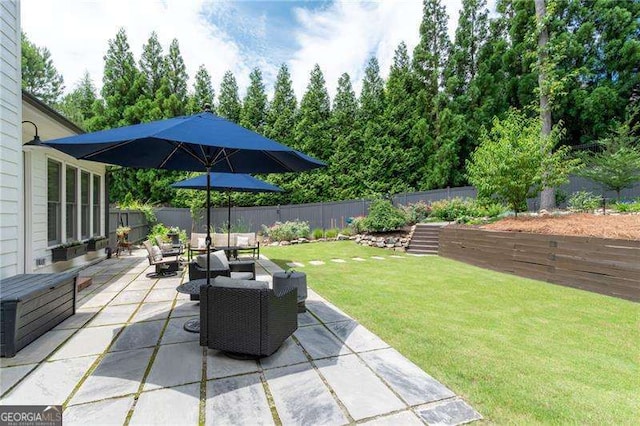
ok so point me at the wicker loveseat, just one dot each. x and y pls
(246, 317)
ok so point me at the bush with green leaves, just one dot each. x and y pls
(627, 206)
(287, 231)
(583, 201)
(383, 216)
(332, 233)
(357, 224)
(346, 231)
(513, 161)
(465, 210)
(416, 212)
(147, 209)
(161, 230)
(317, 233)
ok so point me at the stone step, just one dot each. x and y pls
(425, 240)
(416, 251)
(423, 247)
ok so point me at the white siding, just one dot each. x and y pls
(11, 172)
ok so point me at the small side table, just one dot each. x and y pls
(192, 287)
(289, 279)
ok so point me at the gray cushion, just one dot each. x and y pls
(216, 264)
(242, 275)
(233, 283)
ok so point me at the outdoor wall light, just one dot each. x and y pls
(36, 138)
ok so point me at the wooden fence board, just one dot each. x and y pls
(601, 265)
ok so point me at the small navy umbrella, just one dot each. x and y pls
(201, 142)
(228, 182)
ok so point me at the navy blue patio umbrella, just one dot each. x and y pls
(228, 182)
(201, 142)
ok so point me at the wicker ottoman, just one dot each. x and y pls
(290, 279)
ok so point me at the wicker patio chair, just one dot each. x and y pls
(246, 318)
(220, 266)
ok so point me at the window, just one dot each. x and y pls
(72, 203)
(84, 204)
(97, 229)
(54, 207)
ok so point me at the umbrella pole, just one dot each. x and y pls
(208, 240)
(229, 220)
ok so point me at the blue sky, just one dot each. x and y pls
(340, 35)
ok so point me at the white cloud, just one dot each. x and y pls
(77, 34)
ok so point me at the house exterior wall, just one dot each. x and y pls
(35, 175)
(11, 171)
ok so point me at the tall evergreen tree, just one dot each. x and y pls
(78, 106)
(203, 93)
(281, 112)
(176, 72)
(122, 83)
(254, 106)
(39, 76)
(229, 105)
(345, 164)
(152, 65)
(313, 136)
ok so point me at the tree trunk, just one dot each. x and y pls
(547, 196)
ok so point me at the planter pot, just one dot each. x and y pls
(67, 253)
(95, 245)
(175, 238)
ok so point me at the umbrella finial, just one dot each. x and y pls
(207, 107)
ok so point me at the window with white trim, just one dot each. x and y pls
(97, 228)
(85, 178)
(54, 202)
(71, 209)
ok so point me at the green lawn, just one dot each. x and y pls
(520, 351)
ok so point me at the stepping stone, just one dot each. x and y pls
(404, 418)
(50, 383)
(377, 257)
(301, 397)
(316, 262)
(118, 374)
(115, 410)
(395, 256)
(407, 379)
(320, 343)
(138, 335)
(357, 337)
(358, 259)
(9, 376)
(360, 390)
(453, 412)
(175, 365)
(219, 365)
(339, 260)
(174, 406)
(246, 393)
(295, 265)
(290, 353)
(88, 341)
(175, 332)
(113, 315)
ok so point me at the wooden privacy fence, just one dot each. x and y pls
(601, 265)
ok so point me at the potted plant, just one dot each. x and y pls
(97, 243)
(174, 235)
(122, 232)
(68, 251)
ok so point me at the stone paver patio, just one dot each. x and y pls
(124, 358)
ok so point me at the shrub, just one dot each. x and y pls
(627, 206)
(464, 210)
(332, 233)
(383, 217)
(357, 224)
(416, 212)
(317, 233)
(346, 231)
(161, 230)
(287, 231)
(583, 201)
(147, 209)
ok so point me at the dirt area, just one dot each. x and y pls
(625, 227)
